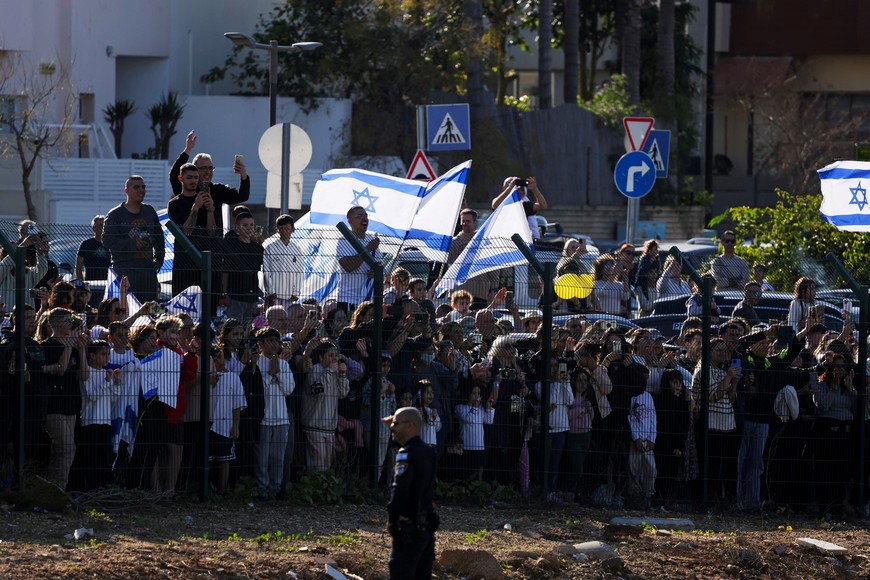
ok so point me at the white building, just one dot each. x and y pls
(139, 50)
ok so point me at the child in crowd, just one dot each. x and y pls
(472, 417)
(228, 400)
(99, 390)
(125, 409)
(431, 421)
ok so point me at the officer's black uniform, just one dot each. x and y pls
(412, 520)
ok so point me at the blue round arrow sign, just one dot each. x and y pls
(635, 174)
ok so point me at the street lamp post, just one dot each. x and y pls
(274, 48)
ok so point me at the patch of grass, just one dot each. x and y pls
(235, 537)
(477, 536)
(97, 515)
(91, 544)
(342, 539)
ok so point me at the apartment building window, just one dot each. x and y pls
(7, 112)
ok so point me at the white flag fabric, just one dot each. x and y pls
(403, 212)
(169, 245)
(189, 301)
(844, 195)
(491, 248)
(433, 225)
(113, 290)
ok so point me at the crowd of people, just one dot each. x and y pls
(112, 396)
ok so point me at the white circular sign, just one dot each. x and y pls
(270, 149)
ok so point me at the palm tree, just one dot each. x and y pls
(571, 47)
(164, 117)
(115, 114)
(631, 50)
(545, 52)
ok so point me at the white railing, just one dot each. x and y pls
(83, 187)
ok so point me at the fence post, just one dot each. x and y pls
(707, 295)
(545, 271)
(203, 260)
(18, 255)
(863, 325)
(377, 345)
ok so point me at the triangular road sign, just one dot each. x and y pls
(420, 168)
(637, 129)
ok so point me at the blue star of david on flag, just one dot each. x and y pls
(311, 261)
(855, 192)
(185, 302)
(361, 197)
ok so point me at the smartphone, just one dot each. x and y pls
(239, 159)
(617, 346)
(509, 299)
(563, 368)
(847, 310)
(735, 362)
(476, 338)
(312, 315)
(84, 318)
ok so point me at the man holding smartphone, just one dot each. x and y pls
(221, 193)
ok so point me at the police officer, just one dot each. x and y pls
(412, 520)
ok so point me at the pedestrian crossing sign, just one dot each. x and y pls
(448, 127)
(658, 147)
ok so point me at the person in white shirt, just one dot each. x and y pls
(471, 417)
(100, 389)
(228, 400)
(125, 409)
(274, 380)
(561, 397)
(641, 459)
(283, 271)
(325, 384)
(431, 420)
(354, 280)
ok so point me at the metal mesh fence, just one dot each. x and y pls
(114, 362)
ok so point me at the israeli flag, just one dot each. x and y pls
(165, 272)
(491, 248)
(319, 247)
(113, 290)
(390, 202)
(433, 225)
(844, 195)
(397, 208)
(189, 301)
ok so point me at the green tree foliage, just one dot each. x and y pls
(385, 55)
(611, 102)
(793, 238)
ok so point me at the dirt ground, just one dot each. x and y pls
(229, 539)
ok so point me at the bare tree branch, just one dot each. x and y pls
(43, 112)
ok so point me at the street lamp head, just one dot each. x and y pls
(241, 39)
(307, 45)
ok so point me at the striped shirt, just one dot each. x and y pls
(97, 397)
(471, 421)
(355, 287)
